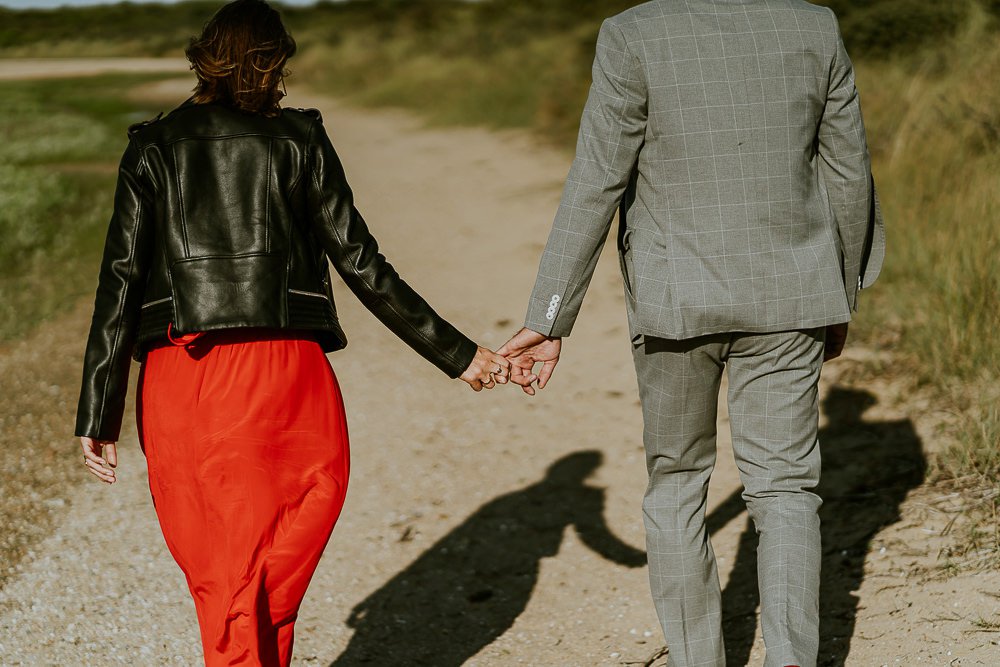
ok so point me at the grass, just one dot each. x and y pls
(109, 30)
(933, 116)
(935, 119)
(987, 624)
(60, 141)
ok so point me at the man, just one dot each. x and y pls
(730, 135)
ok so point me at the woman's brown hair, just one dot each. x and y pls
(240, 57)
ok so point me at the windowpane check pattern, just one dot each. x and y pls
(729, 134)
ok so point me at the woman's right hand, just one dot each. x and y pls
(100, 457)
(486, 370)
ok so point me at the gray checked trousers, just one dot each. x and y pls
(774, 412)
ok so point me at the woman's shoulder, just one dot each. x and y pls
(136, 128)
(190, 119)
(308, 115)
(308, 111)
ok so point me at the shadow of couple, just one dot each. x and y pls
(469, 587)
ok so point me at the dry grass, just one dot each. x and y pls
(934, 119)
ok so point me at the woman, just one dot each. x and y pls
(215, 276)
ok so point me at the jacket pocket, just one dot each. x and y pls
(221, 291)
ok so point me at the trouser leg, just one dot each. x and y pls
(774, 412)
(679, 387)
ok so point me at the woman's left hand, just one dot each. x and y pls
(486, 370)
(101, 466)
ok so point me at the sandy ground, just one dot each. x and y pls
(450, 497)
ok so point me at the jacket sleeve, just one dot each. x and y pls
(612, 131)
(845, 171)
(355, 255)
(122, 280)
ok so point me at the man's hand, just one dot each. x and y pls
(524, 350)
(486, 370)
(836, 337)
(101, 466)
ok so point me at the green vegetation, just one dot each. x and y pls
(109, 30)
(934, 119)
(60, 142)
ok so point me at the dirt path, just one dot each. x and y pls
(449, 488)
(44, 68)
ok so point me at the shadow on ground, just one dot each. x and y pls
(868, 469)
(469, 588)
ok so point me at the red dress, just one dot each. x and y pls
(247, 451)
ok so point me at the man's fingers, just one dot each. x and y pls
(111, 454)
(521, 377)
(546, 372)
(511, 348)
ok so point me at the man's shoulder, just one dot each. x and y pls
(821, 13)
(642, 12)
(658, 9)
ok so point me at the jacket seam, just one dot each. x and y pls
(177, 140)
(239, 256)
(305, 159)
(121, 299)
(637, 64)
(267, 198)
(371, 287)
(180, 202)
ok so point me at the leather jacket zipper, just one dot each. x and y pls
(303, 293)
(153, 303)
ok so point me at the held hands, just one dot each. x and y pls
(515, 362)
(524, 350)
(101, 466)
(487, 370)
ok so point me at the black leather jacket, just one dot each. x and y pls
(224, 219)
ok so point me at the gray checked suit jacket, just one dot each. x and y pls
(730, 135)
